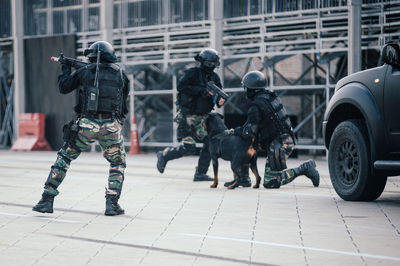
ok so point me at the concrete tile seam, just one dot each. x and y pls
(335, 200)
(347, 229)
(63, 240)
(254, 227)
(387, 218)
(274, 244)
(165, 250)
(299, 224)
(131, 220)
(50, 221)
(170, 222)
(210, 226)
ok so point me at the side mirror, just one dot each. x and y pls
(390, 54)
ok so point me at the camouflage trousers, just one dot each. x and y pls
(191, 128)
(276, 172)
(108, 133)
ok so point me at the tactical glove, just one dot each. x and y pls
(66, 69)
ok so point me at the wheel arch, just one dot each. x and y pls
(355, 101)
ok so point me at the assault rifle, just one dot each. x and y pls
(216, 91)
(68, 61)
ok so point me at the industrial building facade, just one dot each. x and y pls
(303, 46)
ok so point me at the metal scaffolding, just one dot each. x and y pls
(301, 45)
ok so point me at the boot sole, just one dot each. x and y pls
(114, 213)
(41, 211)
(239, 184)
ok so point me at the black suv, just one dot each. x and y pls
(361, 129)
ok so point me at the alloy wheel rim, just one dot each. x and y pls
(348, 163)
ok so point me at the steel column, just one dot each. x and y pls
(354, 32)
(17, 8)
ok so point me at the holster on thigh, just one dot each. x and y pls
(276, 156)
(70, 134)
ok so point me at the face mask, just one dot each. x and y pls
(207, 69)
(250, 93)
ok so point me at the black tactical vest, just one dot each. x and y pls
(274, 119)
(110, 88)
(198, 104)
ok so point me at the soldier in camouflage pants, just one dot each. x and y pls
(108, 133)
(194, 102)
(100, 110)
(190, 130)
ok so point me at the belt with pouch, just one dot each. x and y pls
(100, 116)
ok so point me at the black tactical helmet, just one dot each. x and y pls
(208, 57)
(106, 52)
(254, 80)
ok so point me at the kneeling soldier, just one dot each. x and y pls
(268, 122)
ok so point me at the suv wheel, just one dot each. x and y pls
(349, 163)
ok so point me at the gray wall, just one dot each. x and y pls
(42, 95)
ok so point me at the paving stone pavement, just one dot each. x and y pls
(171, 220)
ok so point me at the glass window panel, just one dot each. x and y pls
(235, 8)
(35, 20)
(94, 19)
(255, 7)
(58, 22)
(175, 11)
(286, 5)
(40, 23)
(117, 17)
(74, 18)
(198, 6)
(268, 6)
(59, 3)
(5, 18)
(187, 10)
(37, 3)
(149, 12)
(134, 14)
(309, 4)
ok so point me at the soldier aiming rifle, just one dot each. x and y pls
(102, 106)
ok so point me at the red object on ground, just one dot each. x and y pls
(134, 138)
(31, 133)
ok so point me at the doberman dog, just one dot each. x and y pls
(224, 144)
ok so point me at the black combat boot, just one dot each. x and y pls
(161, 162)
(245, 181)
(173, 153)
(112, 206)
(201, 177)
(45, 204)
(227, 184)
(308, 169)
